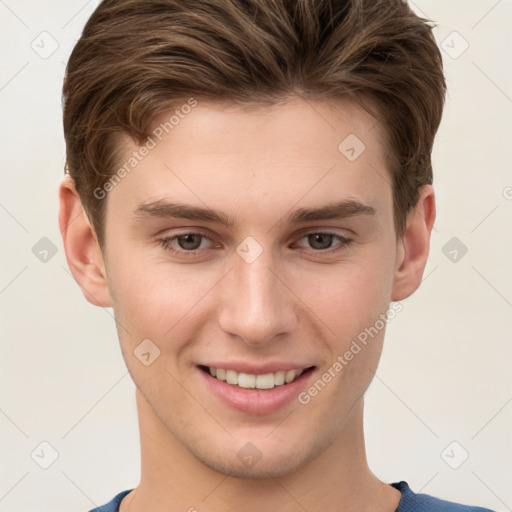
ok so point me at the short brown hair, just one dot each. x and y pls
(138, 58)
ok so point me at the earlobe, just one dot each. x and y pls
(414, 245)
(80, 244)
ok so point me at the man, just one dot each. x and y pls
(249, 187)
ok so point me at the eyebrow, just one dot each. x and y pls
(336, 210)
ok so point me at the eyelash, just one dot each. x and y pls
(166, 242)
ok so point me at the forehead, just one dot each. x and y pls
(248, 157)
(258, 127)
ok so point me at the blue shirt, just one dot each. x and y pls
(410, 502)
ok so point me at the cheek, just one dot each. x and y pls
(351, 296)
(350, 304)
(155, 300)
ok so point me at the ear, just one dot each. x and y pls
(413, 247)
(83, 252)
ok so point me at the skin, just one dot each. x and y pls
(294, 303)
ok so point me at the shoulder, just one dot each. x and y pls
(113, 505)
(412, 502)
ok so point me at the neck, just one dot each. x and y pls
(172, 479)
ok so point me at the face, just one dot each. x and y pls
(250, 245)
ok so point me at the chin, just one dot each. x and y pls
(274, 460)
(265, 468)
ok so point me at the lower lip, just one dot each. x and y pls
(256, 401)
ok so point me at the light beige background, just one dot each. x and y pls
(445, 374)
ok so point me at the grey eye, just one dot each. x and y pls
(320, 240)
(190, 241)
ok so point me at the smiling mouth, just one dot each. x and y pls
(251, 381)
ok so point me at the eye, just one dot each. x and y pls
(190, 244)
(190, 241)
(187, 244)
(324, 241)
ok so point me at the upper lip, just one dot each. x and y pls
(257, 369)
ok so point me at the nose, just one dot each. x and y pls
(256, 304)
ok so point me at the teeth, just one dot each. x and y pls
(289, 376)
(246, 380)
(250, 381)
(265, 381)
(231, 377)
(279, 378)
